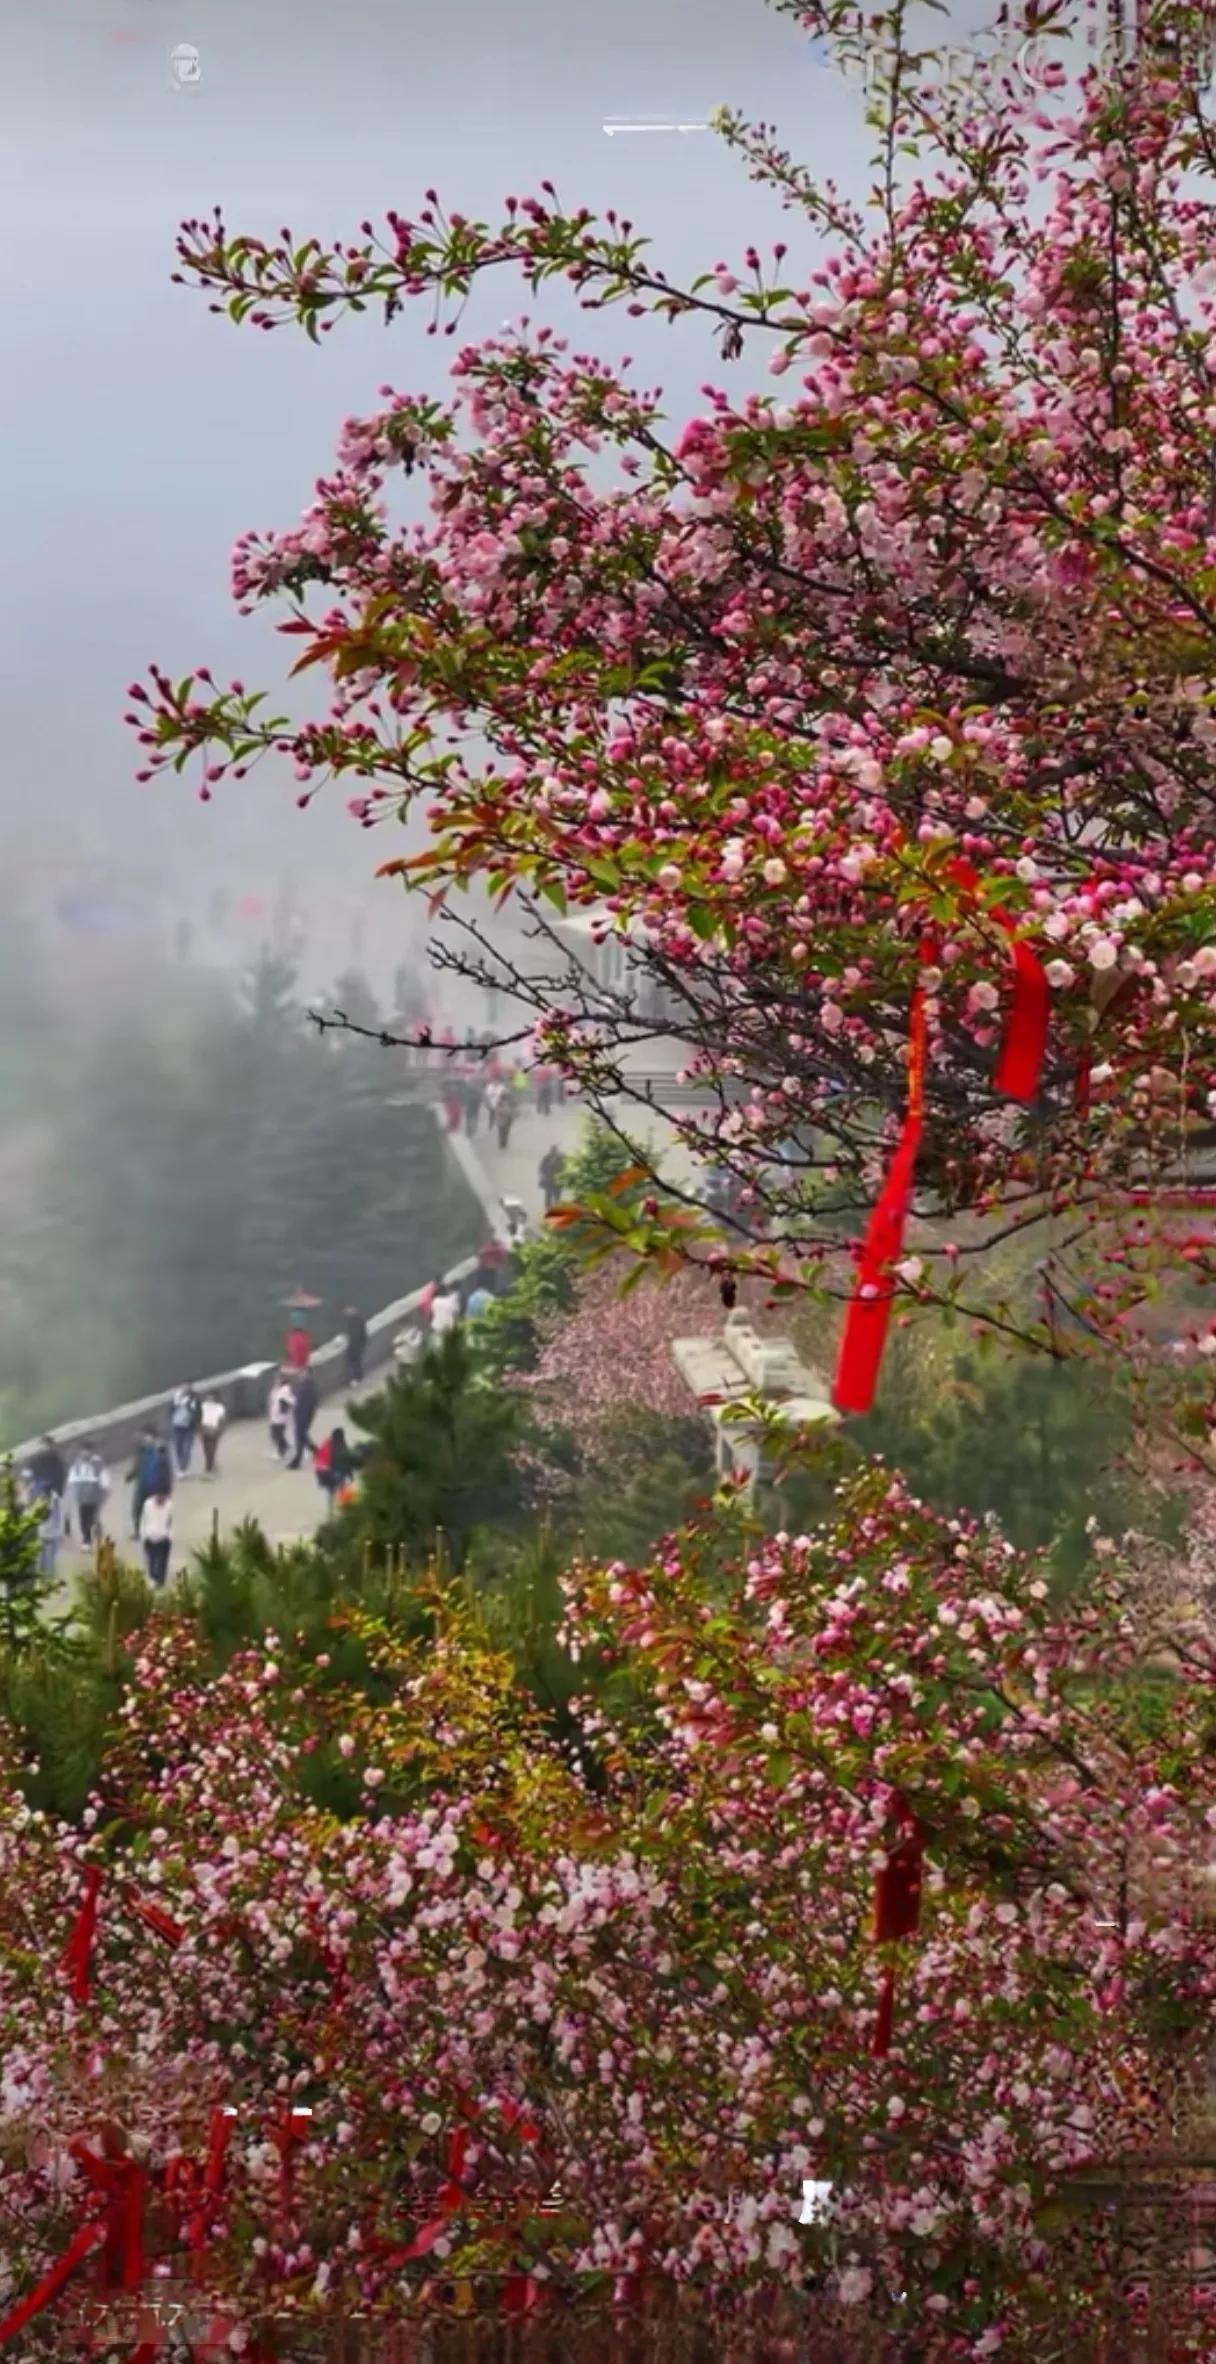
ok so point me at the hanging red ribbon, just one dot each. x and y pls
(78, 1952)
(123, 2184)
(880, 2042)
(897, 1896)
(897, 1890)
(1024, 1042)
(89, 2237)
(198, 2191)
(868, 1318)
(1018, 1069)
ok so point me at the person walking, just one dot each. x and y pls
(549, 1175)
(156, 1536)
(145, 1473)
(281, 1413)
(47, 1472)
(88, 1486)
(184, 1423)
(505, 1118)
(495, 1095)
(213, 1419)
(445, 1311)
(334, 1464)
(304, 1411)
(297, 1352)
(50, 1533)
(356, 1345)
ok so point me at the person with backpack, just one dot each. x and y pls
(212, 1421)
(156, 1536)
(47, 1472)
(334, 1464)
(88, 1486)
(184, 1422)
(149, 1469)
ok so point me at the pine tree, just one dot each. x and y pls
(443, 1460)
(24, 1591)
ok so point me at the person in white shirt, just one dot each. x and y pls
(282, 1416)
(211, 1428)
(156, 1536)
(445, 1312)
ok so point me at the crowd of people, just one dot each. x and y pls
(72, 1494)
(479, 1084)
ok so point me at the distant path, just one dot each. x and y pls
(288, 1504)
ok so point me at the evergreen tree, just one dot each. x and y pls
(443, 1460)
(24, 1592)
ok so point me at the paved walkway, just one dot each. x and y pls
(250, 1482)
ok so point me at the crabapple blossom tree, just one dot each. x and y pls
(873, 707)
(588, 2015)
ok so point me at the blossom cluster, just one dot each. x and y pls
(638, 1974)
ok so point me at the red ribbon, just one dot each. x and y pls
(880, 2042)
(155, 1917)
(869, 1316)
(123, 2184)
(897, 1895)
(897, 1890)
(1024, 1042)
(89, 2237)
(78, 1952)
(1018, 1068)
(188, 2188)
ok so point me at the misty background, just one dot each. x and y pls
(143, 436)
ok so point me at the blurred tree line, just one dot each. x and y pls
(188, 1163)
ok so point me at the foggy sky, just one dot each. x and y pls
(142, 435)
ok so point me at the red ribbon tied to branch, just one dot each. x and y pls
(1024, 1041)
(77, 1956)
(78, 1952)
(1016, 1076)
(897, 1895)
(868, 1318)
(115, 2228)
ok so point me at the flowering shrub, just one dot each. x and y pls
(636, 1984)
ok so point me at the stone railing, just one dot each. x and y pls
(243, 1392)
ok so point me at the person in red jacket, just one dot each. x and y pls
(298, 1350)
